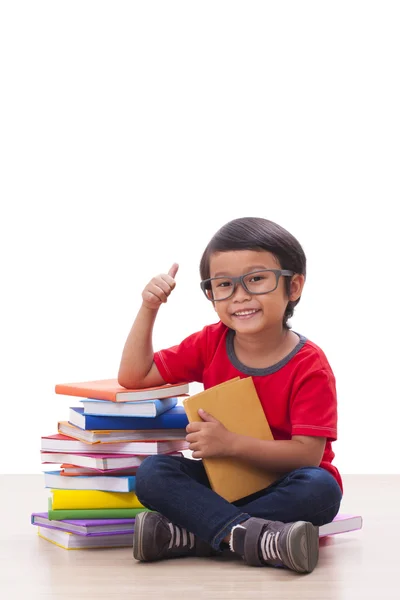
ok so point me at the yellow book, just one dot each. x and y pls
(80, 499)
(236, 405)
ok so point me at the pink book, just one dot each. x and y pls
(98, 461)
(93, 461)
(342, 523)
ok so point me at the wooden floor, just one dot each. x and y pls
(352, 566)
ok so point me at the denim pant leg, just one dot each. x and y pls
(306, 494)
(179, 489)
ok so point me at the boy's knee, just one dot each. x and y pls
(324, 484)
(327, 481)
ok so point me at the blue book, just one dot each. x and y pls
(145, 408)
(175, 418)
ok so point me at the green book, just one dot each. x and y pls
(93, 513)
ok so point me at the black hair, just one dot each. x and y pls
(255, 233)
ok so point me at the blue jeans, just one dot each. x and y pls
(179, 489)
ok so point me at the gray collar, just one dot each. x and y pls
(259, 372)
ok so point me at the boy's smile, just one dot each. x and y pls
(243, 311)
(246, 314)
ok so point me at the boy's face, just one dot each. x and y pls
(264, 311)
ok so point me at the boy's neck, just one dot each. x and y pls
(265, 348)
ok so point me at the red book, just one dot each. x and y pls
(109, 389)
(101, 462)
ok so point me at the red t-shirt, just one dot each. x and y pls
(298, 393)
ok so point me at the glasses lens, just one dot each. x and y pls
(260, 282)
(219, 288)
(208, 292)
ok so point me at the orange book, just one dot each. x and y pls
(236, 405)
(109, 389)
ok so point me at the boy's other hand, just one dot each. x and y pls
(208, 438)
(159, 288)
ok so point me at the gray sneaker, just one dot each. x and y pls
(292, 545)
(156, 538)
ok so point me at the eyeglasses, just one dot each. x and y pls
(257, 282)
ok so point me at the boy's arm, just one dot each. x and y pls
(137, 368)
(313, 416)
(280, 455)
(211, 439)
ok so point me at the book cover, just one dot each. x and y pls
(71, 541)
(85, 526)
(79, 499)
(236, 405)
(63, 443)
(174, 418)
(144, 409)
(109, 389)
(121, 436)
(91, 513)
(104, 483)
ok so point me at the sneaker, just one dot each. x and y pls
(156, 538)
(291, 545)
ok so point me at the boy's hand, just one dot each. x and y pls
(159, 288)
(209, 438)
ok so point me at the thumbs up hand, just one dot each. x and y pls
(159, 288)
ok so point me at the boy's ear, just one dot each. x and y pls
(296, 286)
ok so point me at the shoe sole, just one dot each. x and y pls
(138, 536)
(303, 546)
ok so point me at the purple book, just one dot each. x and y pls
(342, 523)
(86, 527)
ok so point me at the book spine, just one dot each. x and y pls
(93, 499)
(104, 513)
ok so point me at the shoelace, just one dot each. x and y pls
(180, 536)
(269, 545)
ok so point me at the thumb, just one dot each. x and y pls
(206, 416)
(173, 270)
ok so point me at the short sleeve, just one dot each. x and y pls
(184, 362)
(313, 409)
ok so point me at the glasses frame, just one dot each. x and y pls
(240, 279)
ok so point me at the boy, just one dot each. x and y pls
(253, 273)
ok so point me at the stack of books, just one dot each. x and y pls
(93, 502)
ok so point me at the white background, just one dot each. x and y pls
(131, 131)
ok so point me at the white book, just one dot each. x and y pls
(117, 436)
(61, 443)
(106, 408)
(104, 483)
